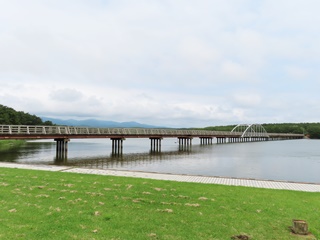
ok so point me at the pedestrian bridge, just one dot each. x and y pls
(63, 134)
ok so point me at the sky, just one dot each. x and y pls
(173, 63)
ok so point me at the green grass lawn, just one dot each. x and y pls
(57, 205)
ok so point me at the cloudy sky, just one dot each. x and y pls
(176, 63)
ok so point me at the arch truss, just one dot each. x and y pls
(250, 130)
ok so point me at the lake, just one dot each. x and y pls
(289, 160)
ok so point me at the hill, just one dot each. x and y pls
(9, 116)
(98, 123)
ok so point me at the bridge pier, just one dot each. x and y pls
(233, 140)
(155, 144)
(61, 148)
(221, 140)
(206, 140)
(185, 143)
(117, 146)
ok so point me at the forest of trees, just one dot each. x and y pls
(9, 116)
(311, 130)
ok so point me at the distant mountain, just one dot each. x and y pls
(98, 123)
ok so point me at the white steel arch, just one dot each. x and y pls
(250, 130)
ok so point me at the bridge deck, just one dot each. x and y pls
(51, 132)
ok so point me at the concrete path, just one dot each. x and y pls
(306, 187)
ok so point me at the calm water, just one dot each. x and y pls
(294, 160)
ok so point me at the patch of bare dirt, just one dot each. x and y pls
(240, 237)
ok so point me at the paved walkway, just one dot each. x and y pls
(306, 187)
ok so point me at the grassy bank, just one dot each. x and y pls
(8, 144)
(56, 205)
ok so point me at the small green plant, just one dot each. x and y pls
(9, 144)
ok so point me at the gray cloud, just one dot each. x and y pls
(65, 95)
(165, 62)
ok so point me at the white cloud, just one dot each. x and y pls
(235, 71)
(297, 72)
(161, 62)
(247, 99)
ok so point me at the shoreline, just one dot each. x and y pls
(268, 184)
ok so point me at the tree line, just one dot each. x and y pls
(9, 116)
(311, 130)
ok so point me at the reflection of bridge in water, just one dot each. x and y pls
(63, 134)
(123, 160)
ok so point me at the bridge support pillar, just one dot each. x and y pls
(155, 144)
(117, 146)
(205, 140)
(61, 148)
(221, 140)
(185, 143)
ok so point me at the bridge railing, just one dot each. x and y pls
(66, 130)
(142, 132)
(285, 135)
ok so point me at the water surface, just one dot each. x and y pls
(290, 160)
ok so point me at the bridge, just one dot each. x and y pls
(63, 134)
